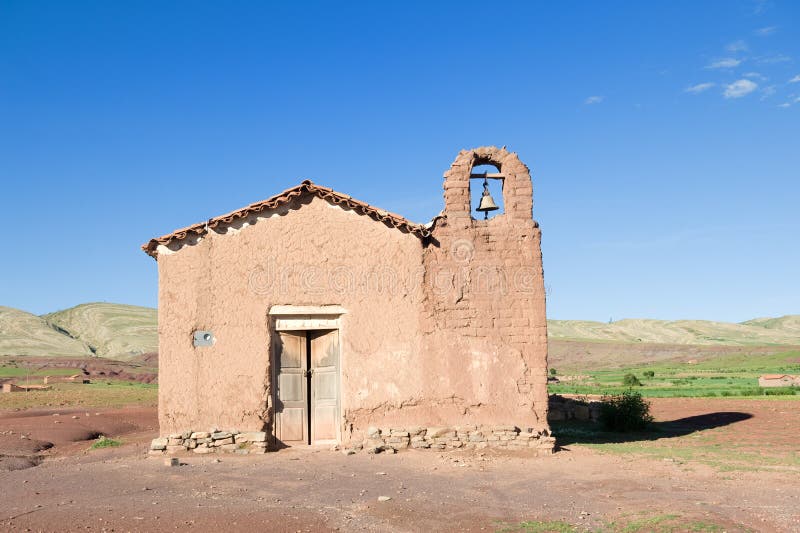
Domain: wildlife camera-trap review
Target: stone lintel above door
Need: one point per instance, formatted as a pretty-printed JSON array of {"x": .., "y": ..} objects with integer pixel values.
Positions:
[{"x": 306, "y": 317}]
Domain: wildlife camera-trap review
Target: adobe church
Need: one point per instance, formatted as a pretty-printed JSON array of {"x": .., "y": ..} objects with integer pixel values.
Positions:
[{"x": 312, "y": 318}]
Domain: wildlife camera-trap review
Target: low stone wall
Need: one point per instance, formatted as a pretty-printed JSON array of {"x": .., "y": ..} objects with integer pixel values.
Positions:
[
  {"x": 378, "y": 440},
  {"x": 444, "y": 438},
  {"x": 211, "y": 442},
  {"x": 573, "y": 408}
]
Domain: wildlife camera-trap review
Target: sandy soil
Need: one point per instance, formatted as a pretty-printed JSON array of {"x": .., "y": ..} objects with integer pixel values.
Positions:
[{"x": 120, "y": 489}]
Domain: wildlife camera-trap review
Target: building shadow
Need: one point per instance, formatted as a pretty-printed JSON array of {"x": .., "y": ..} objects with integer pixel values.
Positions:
[{"x": 573, "y": 432}]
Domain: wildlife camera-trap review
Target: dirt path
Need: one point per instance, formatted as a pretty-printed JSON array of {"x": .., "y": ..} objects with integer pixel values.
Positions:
[{"x": 319, "y": 490}]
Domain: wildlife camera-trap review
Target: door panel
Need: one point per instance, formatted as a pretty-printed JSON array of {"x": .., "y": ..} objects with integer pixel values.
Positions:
[
  {"x": 291, "y": 387},
  {"x": 293, "y": 352},
  {"x": 325, "y": 386},
  {"x": 291, "y": 416},
  {"x": 292, "y": 425},
  {"x": 324, "y": 423}
]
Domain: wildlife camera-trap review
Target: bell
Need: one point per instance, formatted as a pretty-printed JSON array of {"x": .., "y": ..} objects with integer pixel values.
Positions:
[{"x": 487, "y": 202}]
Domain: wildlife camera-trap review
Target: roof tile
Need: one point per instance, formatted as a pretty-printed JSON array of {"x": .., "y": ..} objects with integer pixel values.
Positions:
[{"x": 306, "y": 187}]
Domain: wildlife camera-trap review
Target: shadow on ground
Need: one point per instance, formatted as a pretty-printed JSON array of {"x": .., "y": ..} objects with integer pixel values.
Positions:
[{"x": 567, "y": 433}]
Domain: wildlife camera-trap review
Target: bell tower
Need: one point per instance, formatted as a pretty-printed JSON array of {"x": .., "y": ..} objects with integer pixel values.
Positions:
[{"x": 484, "y": 291}]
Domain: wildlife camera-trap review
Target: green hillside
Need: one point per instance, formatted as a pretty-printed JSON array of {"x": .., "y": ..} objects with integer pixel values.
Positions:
[
  {"x": 758, "y": 332},
  {"x": 789, "y": 323},
  {"x": 25, "y": 334},
  {"x": 115, "y": 331}
]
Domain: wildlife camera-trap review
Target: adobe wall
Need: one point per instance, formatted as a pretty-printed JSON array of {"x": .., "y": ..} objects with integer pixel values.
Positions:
[
  {"x": 485, "y": 296},
  {"x": 319, "y": 254},
  {"x": 452, "y": 336}
]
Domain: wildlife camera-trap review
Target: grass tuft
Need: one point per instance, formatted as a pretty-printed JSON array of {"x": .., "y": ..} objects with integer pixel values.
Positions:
[
  {"x": 539, "y": 526},
  {"x": 104, "y": 442}
]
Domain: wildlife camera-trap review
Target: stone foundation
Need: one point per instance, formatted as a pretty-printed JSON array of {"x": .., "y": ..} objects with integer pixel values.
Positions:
[
  {"x": 211, "y": 442},
  {"x": 377, "y": 440},
  {"x": 450, "y": 438}
]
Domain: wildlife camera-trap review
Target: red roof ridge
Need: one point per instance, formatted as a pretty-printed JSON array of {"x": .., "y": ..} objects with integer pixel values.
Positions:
[{"x": 306, "y": 187}]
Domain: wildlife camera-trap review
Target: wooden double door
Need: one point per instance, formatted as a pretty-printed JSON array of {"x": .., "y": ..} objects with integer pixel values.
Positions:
[{"x": 307, "y": 387}]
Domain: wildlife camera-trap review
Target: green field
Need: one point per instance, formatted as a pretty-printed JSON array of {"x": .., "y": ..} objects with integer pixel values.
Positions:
[
  {"x": 20, "y": 373},
  {"x": 98, "y": 394},
  {"x": 734, "y": 375}
]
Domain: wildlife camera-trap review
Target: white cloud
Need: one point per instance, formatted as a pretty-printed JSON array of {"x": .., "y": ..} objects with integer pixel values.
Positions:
[
  {"x": 774, "y": 58},
  {"x": 594, "y": 100},
  {"x": 766, "y": 92},
  {"x": 765, "y": 31},
  {"x": 740, "y": 88},
  {"x": 700, "y": 87},
  {"x": 761, "y": 6},
  {"x": 755, "y": 76},
  {"x": 784, "y": 105},
  {"x": 796, "y": 79},
  {"x": 728, "y": 62},
  {"x": 737, "y": 46}
]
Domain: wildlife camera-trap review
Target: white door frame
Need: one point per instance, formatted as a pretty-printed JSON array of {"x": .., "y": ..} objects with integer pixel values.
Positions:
[{"x": 305, "y": 318}]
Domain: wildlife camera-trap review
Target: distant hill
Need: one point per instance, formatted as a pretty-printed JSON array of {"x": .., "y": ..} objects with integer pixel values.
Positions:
[
  {"x": 788, "y": 323},
  {"x": 26, "y": 334},
  {"x": 118, "y": 331},
  {"x": 113, "y": 331},
  {"x": 758, "y": 332}
]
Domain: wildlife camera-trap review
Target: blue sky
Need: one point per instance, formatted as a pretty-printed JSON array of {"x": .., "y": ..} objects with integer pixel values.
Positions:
[{"x": 663, "y": 137}]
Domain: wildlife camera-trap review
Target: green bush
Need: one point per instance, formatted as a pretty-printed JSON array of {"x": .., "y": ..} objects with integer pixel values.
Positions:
[
  {"x": 751, "y": 392},
  {"x": 625, "y": 412},
  {"x": 105, "y": 442},
  {"x": 631, "y": 380},
  {"x": 553, "y": 371},
  {"x": 782, "y": 391}
]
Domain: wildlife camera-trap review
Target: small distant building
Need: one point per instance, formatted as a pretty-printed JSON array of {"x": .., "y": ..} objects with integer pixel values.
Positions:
[
  {"x": 13, "y": 387},
  {"x": 778, "y": 380},
  {"x": 75, "y": 378}
]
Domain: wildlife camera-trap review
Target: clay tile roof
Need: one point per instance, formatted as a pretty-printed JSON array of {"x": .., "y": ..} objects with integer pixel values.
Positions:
[{"x": 306, "y": 187}]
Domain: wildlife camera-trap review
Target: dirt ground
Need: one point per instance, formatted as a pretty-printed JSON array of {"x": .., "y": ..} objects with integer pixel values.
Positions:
[
  {"x": 570, "y": 354},
  {"x": 685, "y": 474},
  {"x": 142, "y": 368}
]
